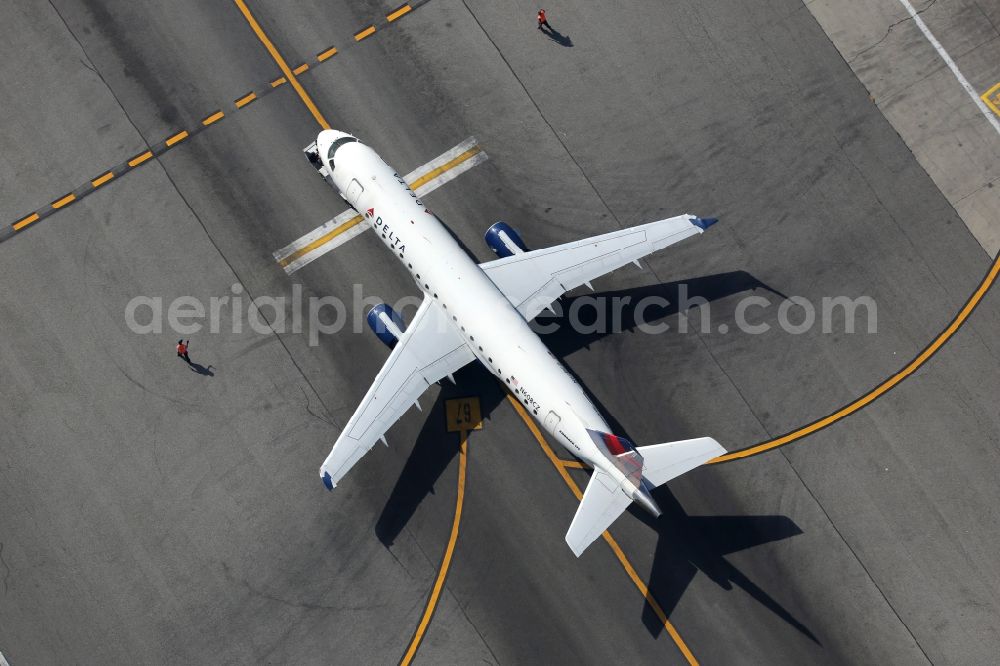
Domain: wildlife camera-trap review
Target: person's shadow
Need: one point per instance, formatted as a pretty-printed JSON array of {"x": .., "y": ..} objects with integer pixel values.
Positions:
[
  {"x": 557, "y": 37},
  {"x": 201, "y": 369}
]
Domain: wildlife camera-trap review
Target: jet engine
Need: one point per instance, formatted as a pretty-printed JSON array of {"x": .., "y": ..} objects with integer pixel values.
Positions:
[
  {"x": 386, "y": 324},
  {"x": 503, "y": 240}
]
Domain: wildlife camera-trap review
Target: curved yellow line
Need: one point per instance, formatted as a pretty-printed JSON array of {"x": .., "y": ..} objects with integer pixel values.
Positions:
[
  {"x": 615, "y": 548},
  {"x": 882, "y": 388},
  {"x": 449, "y": 550}
]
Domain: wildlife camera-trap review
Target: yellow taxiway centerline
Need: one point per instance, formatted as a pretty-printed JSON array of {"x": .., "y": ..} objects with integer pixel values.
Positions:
[
  {"x": 610, "y": 540},
  {"x": 449, "y": 551},
  {"x": 303, "y": 95},
  {"x": 882, "y": 388}
]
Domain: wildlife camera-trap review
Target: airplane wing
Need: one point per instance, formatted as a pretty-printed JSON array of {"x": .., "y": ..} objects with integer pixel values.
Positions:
[
  {"x": 428, "y": 350},
  {"x": 533, "y": 280}
]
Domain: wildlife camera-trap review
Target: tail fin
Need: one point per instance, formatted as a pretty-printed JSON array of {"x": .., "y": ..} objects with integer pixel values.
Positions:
[{"x": 604, "y": 500}]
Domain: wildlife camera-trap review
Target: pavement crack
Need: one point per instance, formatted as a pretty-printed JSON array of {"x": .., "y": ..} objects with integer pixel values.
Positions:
[
  {"x": 854, "y": 554},
  {"x": 303, "y": 605},
  {"x": 89, "y": 65},
  {"x": 987, "y": 17},
  {"x": 402, "y": 566},
  {"x": 472, "y": 624},
  {"x": 6, "y": 568},
  {"x": 148, "y": 390},
  {"x": 889, "y": 32},
  {"x": 313, "y": 414}
]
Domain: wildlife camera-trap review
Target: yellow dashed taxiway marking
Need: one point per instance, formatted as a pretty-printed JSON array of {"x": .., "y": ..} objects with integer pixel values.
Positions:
[
  {"x": 991, "y": 98},
  {"x": 282, "y": 65},
  {"x": 100, "y": 180},
  {"x": 139, "y": 159},
  {"x": 241, "y": 103},
  {"x": 246, "y": 99},
  {"x": 215, "y": 117},
  {"x": 177, "y": 138}
]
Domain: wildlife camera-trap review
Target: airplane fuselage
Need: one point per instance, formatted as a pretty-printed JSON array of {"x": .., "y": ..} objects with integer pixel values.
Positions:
[{"x": 492, "y": 327}]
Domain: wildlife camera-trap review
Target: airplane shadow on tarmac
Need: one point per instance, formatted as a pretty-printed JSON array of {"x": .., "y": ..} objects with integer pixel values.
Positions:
[{"x": 687, "y": 544}]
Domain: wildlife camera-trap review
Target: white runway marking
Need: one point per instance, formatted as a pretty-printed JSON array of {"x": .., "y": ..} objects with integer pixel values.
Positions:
[
  {"x": 3, "y": 662},
  {"x": 951, "y": 65},
  {"x": 334, "y": 233}
]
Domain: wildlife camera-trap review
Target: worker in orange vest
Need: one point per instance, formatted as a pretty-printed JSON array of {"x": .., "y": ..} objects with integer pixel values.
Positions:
[
  {"x": 182, "y": 350},
  {"x": 542, "y": 21}
]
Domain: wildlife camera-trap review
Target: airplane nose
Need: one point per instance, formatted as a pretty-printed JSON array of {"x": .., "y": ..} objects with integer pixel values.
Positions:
[
  {"x": 328, "y": 141},
  {"x": 327, "y": 137}
]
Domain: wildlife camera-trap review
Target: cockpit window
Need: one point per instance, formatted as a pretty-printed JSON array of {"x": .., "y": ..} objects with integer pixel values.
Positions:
[{"x": 337, "y": 144}]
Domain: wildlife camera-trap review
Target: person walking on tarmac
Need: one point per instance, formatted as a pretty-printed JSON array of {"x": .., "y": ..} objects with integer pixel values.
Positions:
[
  {"x": 182, "y": 350},
  {"x": 542, "y": 21}
]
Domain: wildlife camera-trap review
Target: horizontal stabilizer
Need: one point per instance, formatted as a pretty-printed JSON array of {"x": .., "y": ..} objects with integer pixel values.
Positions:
[
  {"x": 603, "y": 501},
  {"x": 667, "y": 461}
]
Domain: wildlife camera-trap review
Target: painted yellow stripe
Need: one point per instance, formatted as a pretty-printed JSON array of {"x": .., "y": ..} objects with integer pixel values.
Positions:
[
  {"x": 177, "y": 138},
  {"x": 246, "y": 99},
  {"x": 367, "y": 32},
  {"x": 277, "y": 82},
  {"x": 218, "y": 115},
  {"x": 574, "y": 464},
  {"x": 402, "y": 11},
  {"x": 325, "y": 238},
  {"x": 447, "y": 166},
  {"x": 301, "y": 68},
  {"x": 357, "y": 219},
  {"x": 97, "y": 182},
  {"x": 425, "y": 619},
  {"x": 615, "y": 548},
  {"x": 991, "y": 101},
  {"x": 326, "y": 55},
  {"x": 139, "y": 159},
  {"x": 888, "y": 384},
  {"x": 65, "y": 201},
  {"x": 303, "y": 95},
  {"x": 21, "y": 224}
]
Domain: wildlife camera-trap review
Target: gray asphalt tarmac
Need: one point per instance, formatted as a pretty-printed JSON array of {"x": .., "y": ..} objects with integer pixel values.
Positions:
[{"x": 152, "y": 514}]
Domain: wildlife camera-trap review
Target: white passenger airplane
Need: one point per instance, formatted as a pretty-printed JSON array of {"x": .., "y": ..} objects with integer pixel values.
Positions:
[{"x": 481, "y": 312}]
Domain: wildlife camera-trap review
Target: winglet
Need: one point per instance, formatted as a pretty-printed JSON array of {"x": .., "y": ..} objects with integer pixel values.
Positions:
[
  {"x": 327, "y": 481},
  {"x": 704, "y": 223}
]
